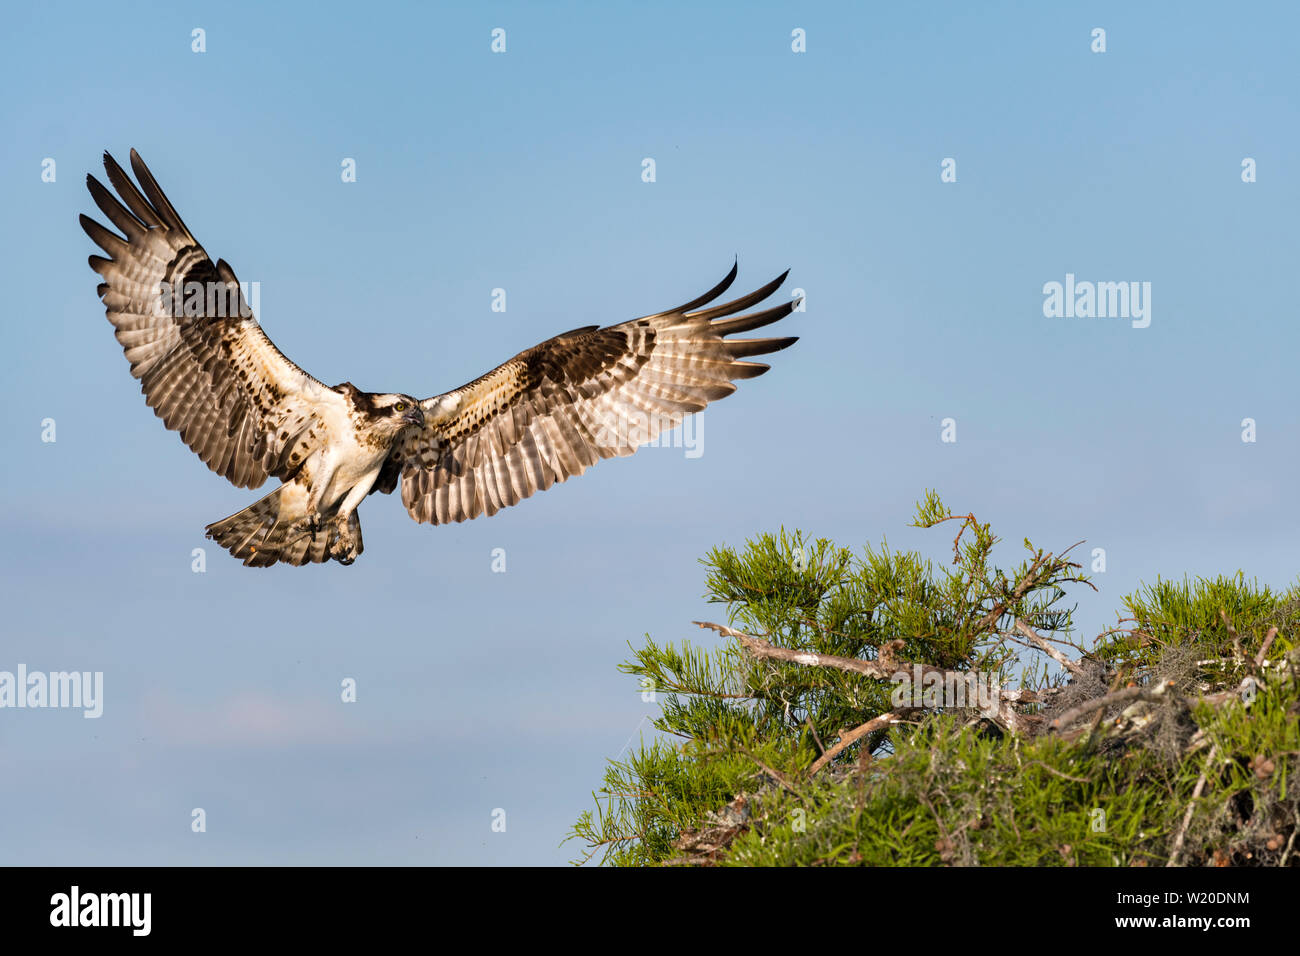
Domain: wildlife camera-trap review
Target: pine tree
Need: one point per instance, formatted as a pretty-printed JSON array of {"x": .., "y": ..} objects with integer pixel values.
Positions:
[{"x": 860, "y": 710}]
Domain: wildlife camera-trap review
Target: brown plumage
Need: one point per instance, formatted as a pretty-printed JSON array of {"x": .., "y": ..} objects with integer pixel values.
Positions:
[{"x": 547, "y": 414}]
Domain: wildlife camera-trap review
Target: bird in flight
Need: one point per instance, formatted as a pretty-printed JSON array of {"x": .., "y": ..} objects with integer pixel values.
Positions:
[{"x": 209, "y": 372}]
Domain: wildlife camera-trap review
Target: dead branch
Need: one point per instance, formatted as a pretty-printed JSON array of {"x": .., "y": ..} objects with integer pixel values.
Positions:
[
  {"x": 1117, "y": 697},
  {"x": 884, "y": 667},
  {"x": 1191, "y": 807},
  {"x": 887, "y": 666},
  {"x": 1031, "y": 576},
  {"x": 1290, "y": 843},
  {"x": 849, "y": 738},
  {"x": 1268, "y": 642},
  {"x": 1042, "y": 644},
  {"x": 1063, "y": 776}
]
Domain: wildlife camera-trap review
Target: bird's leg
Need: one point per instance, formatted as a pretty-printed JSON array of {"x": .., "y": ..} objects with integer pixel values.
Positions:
[
  {"x": 316, "y": 485},
  {"x": 356, "y": 494},
  {"x": 312, "y": 520},
  {"x": 348, "y": 545}
]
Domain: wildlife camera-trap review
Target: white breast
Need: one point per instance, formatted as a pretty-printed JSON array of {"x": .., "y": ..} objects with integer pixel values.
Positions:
[{"x": 344, "y": 462}]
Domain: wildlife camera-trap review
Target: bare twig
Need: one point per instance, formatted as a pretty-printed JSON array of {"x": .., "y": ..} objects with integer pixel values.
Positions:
[
  {"x": 821, "y": 747},
  {"x": 1268, "y": 642},
  {"x": 849, "y": 738},
  {"x": 1191, "y": 807},
  {"x": 967, "y": 520},
  {"x": 776, "y": 775},
  {"x": 1290, "y": 843},
  {"x": 1064, "y": 776},
  {"x": 864, "y": 761},
  {"x": 1072, "y": 666},
  {"x": 1237, "y": 654},
  {"x": 1114, "y": 686},
  {"x": 1032, "y": 574}
]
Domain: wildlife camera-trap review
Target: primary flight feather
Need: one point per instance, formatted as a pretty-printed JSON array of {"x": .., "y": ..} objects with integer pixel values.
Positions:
[{"x": 209, "y": 372}]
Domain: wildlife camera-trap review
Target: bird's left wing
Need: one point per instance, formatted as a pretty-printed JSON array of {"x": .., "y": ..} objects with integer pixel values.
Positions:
[{"x": 556, "y": 409}]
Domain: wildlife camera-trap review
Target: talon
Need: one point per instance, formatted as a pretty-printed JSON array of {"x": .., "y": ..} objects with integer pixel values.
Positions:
[{"x": 346, "y": 546}]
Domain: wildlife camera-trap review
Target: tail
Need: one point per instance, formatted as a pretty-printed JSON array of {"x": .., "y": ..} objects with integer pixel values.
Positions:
[{"x": 261, "y": 537}]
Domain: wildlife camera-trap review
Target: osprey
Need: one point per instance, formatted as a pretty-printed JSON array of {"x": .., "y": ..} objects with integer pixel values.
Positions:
[{"x": 209, "y": 372}]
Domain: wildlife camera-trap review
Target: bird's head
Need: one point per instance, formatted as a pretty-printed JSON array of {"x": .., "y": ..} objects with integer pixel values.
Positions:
[{"x": 398, "y": 411}]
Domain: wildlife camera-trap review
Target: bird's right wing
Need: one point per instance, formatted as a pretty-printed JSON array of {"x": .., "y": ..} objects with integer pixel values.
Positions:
[{"x": 205, "y": 366}]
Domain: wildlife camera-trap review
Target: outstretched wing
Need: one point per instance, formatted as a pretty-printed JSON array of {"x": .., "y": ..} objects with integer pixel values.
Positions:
[
  {"x": 553, "y": 411},
  {"x": 205, "y": 366}
]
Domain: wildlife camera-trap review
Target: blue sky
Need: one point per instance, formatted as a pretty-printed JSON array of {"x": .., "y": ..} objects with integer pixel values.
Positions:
[{"x": 522, "y": 171}]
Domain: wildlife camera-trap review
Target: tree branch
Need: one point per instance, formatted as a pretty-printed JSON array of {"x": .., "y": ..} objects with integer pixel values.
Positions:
[
  {"x": 857, "y": 733},
  {"x": 884, "y": 667},
  {"x": 1041, "y": 643}
]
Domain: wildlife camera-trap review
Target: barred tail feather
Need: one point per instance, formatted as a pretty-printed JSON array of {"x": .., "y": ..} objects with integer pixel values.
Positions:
[{"x": 261, "y": 535}]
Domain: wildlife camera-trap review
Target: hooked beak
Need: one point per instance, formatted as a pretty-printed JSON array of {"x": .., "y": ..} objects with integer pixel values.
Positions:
[{"x": 415, "y": 416}]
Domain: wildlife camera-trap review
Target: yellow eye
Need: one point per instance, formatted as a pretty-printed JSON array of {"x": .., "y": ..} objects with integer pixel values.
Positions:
[{"x": 400, "y": 406}]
